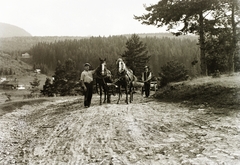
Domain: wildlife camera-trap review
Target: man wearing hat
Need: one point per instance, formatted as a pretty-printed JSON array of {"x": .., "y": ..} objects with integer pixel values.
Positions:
[
  {"x": 146, "y": 78},
  {"x": 87, "y": 84}
]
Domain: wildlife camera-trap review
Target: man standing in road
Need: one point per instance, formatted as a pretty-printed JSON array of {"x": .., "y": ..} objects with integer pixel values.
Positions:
[
  {"x": 87, "y": 84},
  {"x": 146, "y": 78}
]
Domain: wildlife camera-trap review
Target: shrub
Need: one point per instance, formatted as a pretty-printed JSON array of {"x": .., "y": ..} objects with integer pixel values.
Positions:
[
  {"x": 173, "y": 71},
  {"x": 35, "y": 84},
  {"x": 47, "y": 88}
]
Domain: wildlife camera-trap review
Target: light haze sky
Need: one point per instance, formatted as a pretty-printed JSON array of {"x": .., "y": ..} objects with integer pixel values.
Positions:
[{"x": 76, "y": 17}]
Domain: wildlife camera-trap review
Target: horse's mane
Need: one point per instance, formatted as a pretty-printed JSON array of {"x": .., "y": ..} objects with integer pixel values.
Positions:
[
  {"x": 119, "y": 59},
  {"x": 128, "y": 71}
]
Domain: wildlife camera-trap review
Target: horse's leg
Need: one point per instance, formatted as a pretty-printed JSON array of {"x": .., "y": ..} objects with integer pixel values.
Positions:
[
  {"x": 126, "y": 91},
  {"x": 97, "y": 86},
  {"x": 105, "y": 93},
  {"x": 100, "y": 88},
  {"x": 131, "y": 94},
  {"x": 108, "y": 95},
  {"x": 119, "y": 93}
]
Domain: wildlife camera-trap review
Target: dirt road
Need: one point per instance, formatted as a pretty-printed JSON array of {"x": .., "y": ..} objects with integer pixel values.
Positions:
[{"x": 144, "y": 132}]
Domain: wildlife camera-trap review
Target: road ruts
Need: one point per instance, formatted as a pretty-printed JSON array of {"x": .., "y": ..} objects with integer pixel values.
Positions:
[{"x": 144, "y": 132}]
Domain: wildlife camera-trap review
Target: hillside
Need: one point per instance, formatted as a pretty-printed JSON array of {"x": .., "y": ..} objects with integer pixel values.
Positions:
[
  {"x": 7, "y": 30},
  {"x": 11, "y": 44},
  {"x": 18, "y": 67},
  {"x": 222, "y": 92}
]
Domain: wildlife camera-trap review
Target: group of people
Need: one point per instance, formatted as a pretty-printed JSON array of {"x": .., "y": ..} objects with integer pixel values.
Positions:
[{"x": 86, "y": 81}]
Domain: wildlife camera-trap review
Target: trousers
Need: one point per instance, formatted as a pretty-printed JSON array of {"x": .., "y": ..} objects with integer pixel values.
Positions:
[
  {"x": 147, "y": 88},
  {"x": 88, "y": 94}
]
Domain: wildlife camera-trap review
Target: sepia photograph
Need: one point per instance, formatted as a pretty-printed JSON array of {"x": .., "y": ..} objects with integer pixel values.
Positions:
[{"x": 137, "y": 82}]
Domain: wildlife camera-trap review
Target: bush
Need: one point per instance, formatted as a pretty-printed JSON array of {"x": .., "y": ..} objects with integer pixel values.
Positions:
[
  {"x": 173, "y": 71},
  {"x": 47, "y": 88}
]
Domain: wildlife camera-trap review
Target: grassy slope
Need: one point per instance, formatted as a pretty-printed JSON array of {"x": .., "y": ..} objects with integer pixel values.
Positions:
[
  {"x": 23, "y": 71},
  {"x": 23, "y": 74},
  {"x": 18, "y": 66},
  {"x": 223, "y": 92},
  {"x": 10, "y": 106}
]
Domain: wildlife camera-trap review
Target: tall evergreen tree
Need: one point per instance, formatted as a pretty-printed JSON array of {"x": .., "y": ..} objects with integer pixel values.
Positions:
[
  {"x": 65, "y": 78},
  {"x": 136, "y": 55},
  {"x": 59, "y": 81},
  {"x": 192, "y": 14},
  {"x": 71, "y": 77},
  {"x": 47, "y": 88}
]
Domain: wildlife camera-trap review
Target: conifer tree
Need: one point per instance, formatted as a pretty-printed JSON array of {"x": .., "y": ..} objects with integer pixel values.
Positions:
[
  {"x": 71, "y": 77},
  {"x": 65, "y": 78},
  {"x": 172, "y": 71},
  {"x": 59, "y": 81},
  {"x": 192, "y": 14},
  {"x": 47, "y": 88},
  {"x": 136, "y": 55}
]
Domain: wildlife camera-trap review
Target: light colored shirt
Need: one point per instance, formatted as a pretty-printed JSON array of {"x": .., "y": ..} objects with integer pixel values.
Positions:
[{"x": 87, "y": 76}]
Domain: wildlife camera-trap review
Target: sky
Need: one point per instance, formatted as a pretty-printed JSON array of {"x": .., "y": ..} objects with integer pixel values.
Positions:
[{"x": 76, "y": 17}]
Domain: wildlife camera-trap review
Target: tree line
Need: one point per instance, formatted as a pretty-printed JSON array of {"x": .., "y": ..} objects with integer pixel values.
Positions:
[{"x": 159, "y": 50}]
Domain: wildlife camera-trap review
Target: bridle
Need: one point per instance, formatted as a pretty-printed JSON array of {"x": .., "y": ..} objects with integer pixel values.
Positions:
[
  {"x": 102, "y": 72},
  {"x": 103, "y": 68},
  {"x": 122, "y": 70},
  {"x": 121, "y": 66}
]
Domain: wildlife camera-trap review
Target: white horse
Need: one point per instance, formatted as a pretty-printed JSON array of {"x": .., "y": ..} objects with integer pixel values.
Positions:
[{"x": 126, "y": 79}]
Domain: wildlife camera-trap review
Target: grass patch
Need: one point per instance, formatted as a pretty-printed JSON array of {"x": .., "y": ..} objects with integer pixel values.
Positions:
[
  {"x": 12, "y": 105},
  {"x": 223, "y": 92}
]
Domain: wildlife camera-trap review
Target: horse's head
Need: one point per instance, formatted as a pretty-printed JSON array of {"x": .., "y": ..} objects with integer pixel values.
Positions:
[
  {"x": 102, "y": 67},
  {"x": 120, "y": 65}
]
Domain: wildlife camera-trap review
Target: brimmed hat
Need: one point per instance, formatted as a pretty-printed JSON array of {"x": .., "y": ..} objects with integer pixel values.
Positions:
[
  {"x": 87, "y": 64},
  {"x": 146, "y": 67}
]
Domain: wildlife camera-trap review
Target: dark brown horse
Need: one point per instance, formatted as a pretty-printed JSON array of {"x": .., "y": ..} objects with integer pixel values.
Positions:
[
  {"x": 125, "y": 80},
  {"x": 103, "y": 76}
]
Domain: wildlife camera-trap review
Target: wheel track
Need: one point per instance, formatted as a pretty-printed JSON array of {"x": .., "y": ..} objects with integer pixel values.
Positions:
[{"x": 138, "y": 133}]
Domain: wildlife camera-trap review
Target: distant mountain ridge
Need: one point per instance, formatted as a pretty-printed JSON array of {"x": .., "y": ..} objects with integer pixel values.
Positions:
[
  {"x": 7, "y": 30},
  {"x": 10, "y": 44}
]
